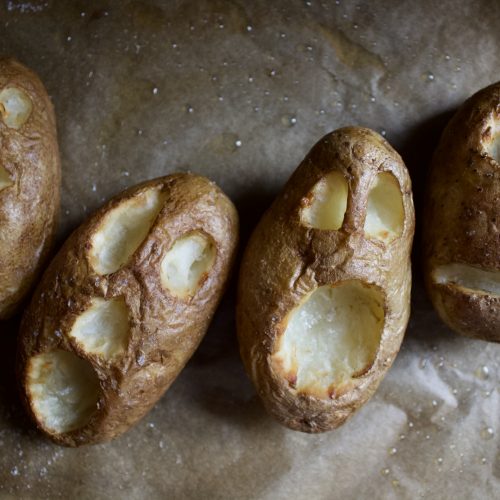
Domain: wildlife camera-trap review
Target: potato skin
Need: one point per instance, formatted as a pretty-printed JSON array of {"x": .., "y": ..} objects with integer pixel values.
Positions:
[
  {"x": 284, "y": 260},
  {"x": 462, "y": 216},
  {"x": 30, "y": 206},
  {"x": 164, "y": 330}
]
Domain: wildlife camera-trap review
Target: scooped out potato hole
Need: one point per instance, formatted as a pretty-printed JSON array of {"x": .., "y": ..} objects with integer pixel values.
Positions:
[
  {"x": 491, "y": 142},
  {"x": 331, "y": 337},
  {"x": 468, "y": 277},
  {"x": 15, "y": 107},
  {"x": 123, "y": 230},
  {"x": 64, "y": 390},
  {"x": 327, "y": 203},
  {"x": 103, "y": 329},
  {"x": 385, "y": 212},
  {"x": 186, "y": 263}
]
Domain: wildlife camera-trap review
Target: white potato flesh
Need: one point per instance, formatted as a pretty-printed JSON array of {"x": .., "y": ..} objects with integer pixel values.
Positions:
[
  {"x": 64, "y": 390},
  {"x": 103, "y": 329},
  {"x": 5, "y": 179},
  {"x": 492, "y": 144},
  {"x": 468, "y": 277},
  {"x": 15, "y": 107},
  {"x": 328, "y": 203},
  {"x": 385, "y": 212},
  {"x": 122, "y": 231},
  {"x": 186, "y": 264},
  {"x": 331, "y": 337}
]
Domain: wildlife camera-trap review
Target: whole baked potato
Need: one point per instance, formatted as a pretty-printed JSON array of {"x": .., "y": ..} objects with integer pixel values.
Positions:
[
  {"x": 462, "y": 219},
  {"x": 324, "y": 287},
  {"x": 123, "y": 306},
  {"x": 30, "y": 179}
]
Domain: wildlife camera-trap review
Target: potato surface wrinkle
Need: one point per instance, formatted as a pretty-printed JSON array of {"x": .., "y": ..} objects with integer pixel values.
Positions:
[
  {"x": 287, "y": 259},
  {"x": 164, "y": 330},
  {"x": 463, "y": 201},
  {"x": 29, "y": 185}
]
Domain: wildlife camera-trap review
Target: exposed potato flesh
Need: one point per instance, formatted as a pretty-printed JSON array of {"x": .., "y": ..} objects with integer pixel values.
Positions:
[
  {"x": 64, "y": 390},
  {"x": 461, "y": 228},
  {"x": 103, "y": 329},
  {"x": 469, "y": 277},
  {"x": 321, "y": 313},
  {"x": 186, "y": 263},
  {"x": 134, "y": 332},
  {"x": 5, "y": 179},
  {"x": 327, "y": 203},
  {"x": 15, "y": 107},
  {"x": 331, "y": 337},
  {"x": 491, "y": 143},
  {"x": 30, "y": 179},
  {"x": 385, "y": 213},
  {"x": 122, "y": 231}
]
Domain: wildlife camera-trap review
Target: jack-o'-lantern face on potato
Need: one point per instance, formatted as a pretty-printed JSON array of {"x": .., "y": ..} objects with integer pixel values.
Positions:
[
  {"x": 124, "y": 305},
  {"x": 328, "y": 270}
]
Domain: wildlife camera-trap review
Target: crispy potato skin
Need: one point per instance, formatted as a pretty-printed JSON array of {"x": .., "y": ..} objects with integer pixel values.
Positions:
[
  {"x": 164, "y": 330},
  {"x": 462, "y": 216},
  {"x": 30, "y": 206},
  {"x": 284, "y": 260}
]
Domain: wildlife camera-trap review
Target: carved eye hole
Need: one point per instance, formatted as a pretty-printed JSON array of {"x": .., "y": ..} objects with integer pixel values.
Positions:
[
  {"x": 15, "y": 107},
  {"x": 122, "y": 231},
  {"x": 385, "y": 212},
  {"x": 491, "y": 140},
  {"x": 185, "y": 266},
  {"x": 326, "y": 203}
]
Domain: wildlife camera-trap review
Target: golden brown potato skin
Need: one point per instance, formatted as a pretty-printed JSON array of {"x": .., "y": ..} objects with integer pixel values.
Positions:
[
  {"x": 29, "y": 207},
  {"x": 164, "y": 330},
  {"x": 284, "y": 260},
  {"x": 462, "y": 216}
]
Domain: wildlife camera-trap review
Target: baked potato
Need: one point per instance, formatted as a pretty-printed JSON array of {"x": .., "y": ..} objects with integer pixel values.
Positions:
[
  {"x": 123, "y": 306},
  {"x": 462, "y": 219},
  {"x": 324, "y": 286},
  {"x": 30, "y": 178}
]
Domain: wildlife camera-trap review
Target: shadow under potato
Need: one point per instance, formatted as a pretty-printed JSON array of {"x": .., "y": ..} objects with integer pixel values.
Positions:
[
  {"x": 10, "y": 401},
  {"x": 220, "y": 340},
  {"x": 417, "y": 152}
]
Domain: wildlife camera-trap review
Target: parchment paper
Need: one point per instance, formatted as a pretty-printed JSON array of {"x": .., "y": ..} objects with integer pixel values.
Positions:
[{"x": 239, "y": 91}]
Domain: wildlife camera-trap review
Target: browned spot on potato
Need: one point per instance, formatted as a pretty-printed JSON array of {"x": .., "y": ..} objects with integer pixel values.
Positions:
[
  {"x": 15, "y": 107},
  {"x": 5, "y": 179},
  {"x": 325, "y": 206},
  {"x": 291, "y": 377},
  {"x": 64, "y": 390},
  {"x": 103, "y": 329},
  {"x": 122, "y": 231},
  {"x": 338, "y": 391},
  {"x": 385, "y": 213},
  {"x": 306, "y": 201},
  {"x": 331, "y": 337},
  {"x": 470, "y": 278},
  {"x": 186, "y": 264}
]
